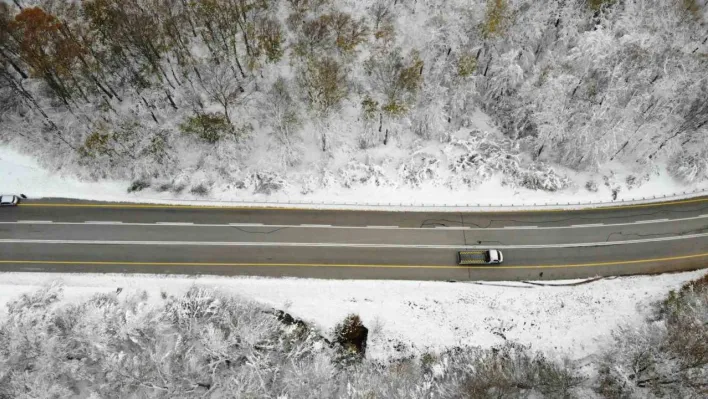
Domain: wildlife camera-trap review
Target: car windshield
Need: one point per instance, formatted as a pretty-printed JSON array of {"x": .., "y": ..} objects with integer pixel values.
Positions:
[{"x": 487, "y": 257}]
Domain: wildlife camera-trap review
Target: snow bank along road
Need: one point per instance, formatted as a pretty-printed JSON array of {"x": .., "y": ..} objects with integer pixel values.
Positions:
[{"x": 66, "y": 236}]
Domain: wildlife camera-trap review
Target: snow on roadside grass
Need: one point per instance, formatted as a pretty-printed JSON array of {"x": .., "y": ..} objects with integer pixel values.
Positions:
[
  {"x": 411, "y": 318},
  {"x": 23, "y": 174}
]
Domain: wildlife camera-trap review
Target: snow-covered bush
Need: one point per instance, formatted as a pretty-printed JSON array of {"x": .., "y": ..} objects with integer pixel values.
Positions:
[
  {"x": 477, "y": 159},
  {"x": 209, "y": 344},
  {"x": 688, "y": 166},
  {"x": 39, "y": 300},
  {"x": 540, "y": 177},
  {"x": 356, "y": 173},
  {"x": 199, "y": 343},
  {"x": 483, "y": 156},
  {"x": 419, "y": 169},
  {"x": 322, "y": 179}
]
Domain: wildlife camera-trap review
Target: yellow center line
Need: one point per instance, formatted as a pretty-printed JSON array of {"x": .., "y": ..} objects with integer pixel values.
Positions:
[
  {"x": 353, "y": 265},
  {"x": 290, "y": 208}
]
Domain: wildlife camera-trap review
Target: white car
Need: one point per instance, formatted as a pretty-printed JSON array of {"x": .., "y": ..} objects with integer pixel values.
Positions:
[
  {"x": 480, "y": 257},
  {"x": 9, "y": 200}
]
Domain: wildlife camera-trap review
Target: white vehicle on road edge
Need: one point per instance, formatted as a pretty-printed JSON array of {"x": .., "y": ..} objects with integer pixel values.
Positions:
[
  {"x": 9, "y": 200},
  {"x": 480, "y": 257}
]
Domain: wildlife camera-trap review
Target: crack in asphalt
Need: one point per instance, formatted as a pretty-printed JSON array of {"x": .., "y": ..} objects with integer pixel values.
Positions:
[
  {"x": 259, "y": 232},
  {"x": 428, "y": 223},
  {"x": 640, "y": 235}
]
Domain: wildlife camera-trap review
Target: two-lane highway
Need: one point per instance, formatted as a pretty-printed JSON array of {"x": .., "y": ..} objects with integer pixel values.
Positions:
[{"x": 69, "y": 236}]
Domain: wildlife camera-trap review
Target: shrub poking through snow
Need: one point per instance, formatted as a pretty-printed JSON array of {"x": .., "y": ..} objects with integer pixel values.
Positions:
[
  {"x": 509, "y": 371},
  {"x": 210, "y": 127},
  {"x": 350, "y": 335},
  {"x": 200, "y": 190},
  {"x": 634, "y": 181},
  {"x": 666, "y": 358},
  {"x": 267, "y": 182},
  {"x": 138, "y": 185}
]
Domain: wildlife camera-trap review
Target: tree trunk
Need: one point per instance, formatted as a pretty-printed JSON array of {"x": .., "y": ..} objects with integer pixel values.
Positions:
[
  {"x": 17, "y": 87},
  {"x": 13, "y": 64},
  {"x": 172, "y": 102}
]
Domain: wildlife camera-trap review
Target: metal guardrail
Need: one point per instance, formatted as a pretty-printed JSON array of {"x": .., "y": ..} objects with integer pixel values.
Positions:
[{"x": 477, "y": 206}]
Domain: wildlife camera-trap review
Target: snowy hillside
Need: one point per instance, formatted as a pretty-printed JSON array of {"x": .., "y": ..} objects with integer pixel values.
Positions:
[
  {"x": 357, "y": 98},
  {"x": 149, "y": 336}
]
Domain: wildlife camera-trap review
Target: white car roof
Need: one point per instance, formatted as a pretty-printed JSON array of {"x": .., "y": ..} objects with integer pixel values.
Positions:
[{"x": 7, "y": 198}]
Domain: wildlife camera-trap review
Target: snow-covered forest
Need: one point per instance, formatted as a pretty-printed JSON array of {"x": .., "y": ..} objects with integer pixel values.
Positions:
[
  {"x": 208, "y": 343},
  {"x": 270, "y": 95}
]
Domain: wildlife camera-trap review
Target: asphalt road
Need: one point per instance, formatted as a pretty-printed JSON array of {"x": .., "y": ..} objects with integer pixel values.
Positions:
[{"x": 68, "y": 236}]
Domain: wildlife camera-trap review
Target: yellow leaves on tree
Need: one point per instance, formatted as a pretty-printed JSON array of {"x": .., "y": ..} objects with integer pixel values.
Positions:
[{"x": 496, "y": 18}]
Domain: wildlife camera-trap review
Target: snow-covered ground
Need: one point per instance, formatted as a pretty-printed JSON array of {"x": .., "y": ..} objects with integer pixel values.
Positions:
[
  {"x": 412, "y": 318},
  {"x": 24, "y": 174}
]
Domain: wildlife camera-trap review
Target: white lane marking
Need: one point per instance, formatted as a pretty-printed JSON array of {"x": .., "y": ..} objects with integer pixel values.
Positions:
[
  {"x": 588, "y": 225},
  {"x": 346, "y": 245},
  {"x": 102, "y": 222},
  {"x": 175, "y": 223},
  {"x": 315, "y": 225},
  {"x": 452, "y": 227},
  {"x": 373, "y": 227},
  {"x": 650, "y": 221},
  {"x": 520, "y": 227}
]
